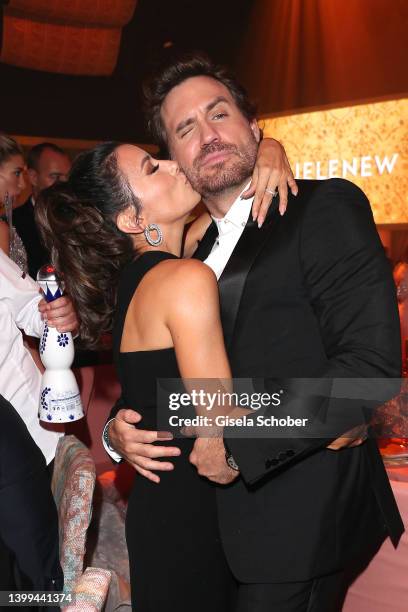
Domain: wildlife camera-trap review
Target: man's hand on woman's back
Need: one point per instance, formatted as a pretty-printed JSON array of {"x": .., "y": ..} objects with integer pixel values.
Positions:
[{"x": 136, "y": 445}]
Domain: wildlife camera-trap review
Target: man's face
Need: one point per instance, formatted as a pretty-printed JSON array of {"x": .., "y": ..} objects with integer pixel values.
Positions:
[
  {"x": 209, "y": 137},
  {"x": 52, "y": 167}
]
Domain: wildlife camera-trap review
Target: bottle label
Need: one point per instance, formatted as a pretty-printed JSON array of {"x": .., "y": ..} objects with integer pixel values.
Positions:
[{"x": 60, "y": 407}]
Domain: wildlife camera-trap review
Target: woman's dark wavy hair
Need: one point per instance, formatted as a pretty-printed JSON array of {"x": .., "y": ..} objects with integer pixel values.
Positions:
[
  {"x": 174, "y": 73},
  {"x": 77, "y": 224}
]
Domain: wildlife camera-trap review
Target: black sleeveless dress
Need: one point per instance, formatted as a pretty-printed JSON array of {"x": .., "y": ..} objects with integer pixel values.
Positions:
[{"x": 176, "y": 560}]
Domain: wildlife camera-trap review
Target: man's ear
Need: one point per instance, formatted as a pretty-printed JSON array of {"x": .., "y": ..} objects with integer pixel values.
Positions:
[
  {"x": 255, "y": 129},
  {"x": 129, "y": 223}
]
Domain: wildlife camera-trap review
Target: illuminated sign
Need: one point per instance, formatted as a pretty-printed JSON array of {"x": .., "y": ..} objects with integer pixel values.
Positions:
[{"x": 365, "y": 143}]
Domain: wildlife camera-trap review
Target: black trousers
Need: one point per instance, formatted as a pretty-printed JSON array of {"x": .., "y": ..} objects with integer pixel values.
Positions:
[
  {"x": 7, "y": 582},
  {"x": 28, "y": 515},
  {"x": 324, "y": 594}
]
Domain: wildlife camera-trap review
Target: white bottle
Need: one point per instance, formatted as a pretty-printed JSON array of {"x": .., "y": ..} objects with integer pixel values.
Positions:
[{"x": 60, "y": 400}]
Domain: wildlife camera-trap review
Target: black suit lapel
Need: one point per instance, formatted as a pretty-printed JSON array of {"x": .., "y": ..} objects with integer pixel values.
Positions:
[
  {"x": 206, "y": 243},
  {"x": 232, "y": 281}
]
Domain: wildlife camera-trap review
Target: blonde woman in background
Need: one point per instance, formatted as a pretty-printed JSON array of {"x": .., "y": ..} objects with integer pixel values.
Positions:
[{"x": 12, "y": 184}]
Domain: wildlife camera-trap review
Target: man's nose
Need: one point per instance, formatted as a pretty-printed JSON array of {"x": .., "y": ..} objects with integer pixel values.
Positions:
[{"x": 208, "y": 133}]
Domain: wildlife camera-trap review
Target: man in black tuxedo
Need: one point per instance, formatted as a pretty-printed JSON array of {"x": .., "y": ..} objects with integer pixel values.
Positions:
[
  {"x": 309, "y": 295},
  {"x": 46, "y": 164}
]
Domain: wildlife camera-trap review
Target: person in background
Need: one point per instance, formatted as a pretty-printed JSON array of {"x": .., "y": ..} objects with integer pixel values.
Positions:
[
  {"x": 25, "y": 498},
  {"x": 21, "y": 308},
  {"x": 28, "y": 516},
  {"x": 401, "y": 281},
  {"x": 12, "y": 184},
  {"x": 47, "y": 163}
]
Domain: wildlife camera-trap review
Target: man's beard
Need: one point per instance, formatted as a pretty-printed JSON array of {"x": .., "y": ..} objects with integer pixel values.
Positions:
[{"x": 226, "y": 174}]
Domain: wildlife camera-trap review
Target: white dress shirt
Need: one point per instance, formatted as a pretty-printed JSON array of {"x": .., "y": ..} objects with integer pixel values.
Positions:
[
  {"x": 230, "y": 229},
  {"x": 20, "y": 379}
]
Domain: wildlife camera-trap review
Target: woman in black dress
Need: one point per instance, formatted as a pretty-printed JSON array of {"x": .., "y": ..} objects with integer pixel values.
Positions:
[{"x": 126, "y": 273}]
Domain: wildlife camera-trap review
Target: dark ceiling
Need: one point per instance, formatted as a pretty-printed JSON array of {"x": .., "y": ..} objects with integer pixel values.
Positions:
[{"x": 44, "y": 104}]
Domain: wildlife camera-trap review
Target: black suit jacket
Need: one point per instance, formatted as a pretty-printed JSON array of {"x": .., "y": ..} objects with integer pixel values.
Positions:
[
  {"x": 308, "y": 295},
  {"x": 28, "y": 516},
  {"x": 25, "y": 224}
]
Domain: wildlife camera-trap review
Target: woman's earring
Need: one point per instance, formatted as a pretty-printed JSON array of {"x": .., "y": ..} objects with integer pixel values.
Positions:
[
  {"x": 153, "y": 228},
  {"x": 8, "y": 206}
]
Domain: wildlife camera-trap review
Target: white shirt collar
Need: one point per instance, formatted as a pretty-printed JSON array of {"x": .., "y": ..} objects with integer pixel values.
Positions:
[{"x": 236, "y": 217}]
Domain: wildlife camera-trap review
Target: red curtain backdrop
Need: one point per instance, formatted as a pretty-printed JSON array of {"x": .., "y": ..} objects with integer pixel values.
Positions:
[{"x": 303, "y": 53}]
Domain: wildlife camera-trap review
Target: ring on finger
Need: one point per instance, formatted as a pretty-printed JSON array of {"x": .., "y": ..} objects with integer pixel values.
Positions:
[{"x": 273, "y": 193}]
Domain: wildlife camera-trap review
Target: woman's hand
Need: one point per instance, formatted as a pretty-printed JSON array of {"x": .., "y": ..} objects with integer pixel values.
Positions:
[
  {"x": 60, "y": 314},
  {"x": 272, "y": 174}
]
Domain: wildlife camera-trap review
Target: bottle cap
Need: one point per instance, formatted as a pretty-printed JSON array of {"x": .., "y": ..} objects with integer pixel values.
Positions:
[{"x": 50, "y": 283}]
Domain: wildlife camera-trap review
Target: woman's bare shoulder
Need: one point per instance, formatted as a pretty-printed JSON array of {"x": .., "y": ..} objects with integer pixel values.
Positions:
[
  {"x": 183, "y": 274},
  {"x": 189, "y": 266},
  {"x": 179, "y": 281},
  {"x": 187, "y": 272}
]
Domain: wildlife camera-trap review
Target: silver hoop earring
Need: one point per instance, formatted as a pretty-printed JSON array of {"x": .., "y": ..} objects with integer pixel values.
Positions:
[{"x": 153, "y": 228}]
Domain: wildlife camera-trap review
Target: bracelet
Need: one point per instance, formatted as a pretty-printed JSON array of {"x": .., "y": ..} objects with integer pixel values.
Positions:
[{"x": 106, "y": 436}]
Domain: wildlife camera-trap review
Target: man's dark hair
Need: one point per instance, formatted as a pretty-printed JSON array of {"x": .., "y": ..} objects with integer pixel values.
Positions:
[
  {"x": 192, "y": 65},
  {"x": 35, "y": 153}
]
